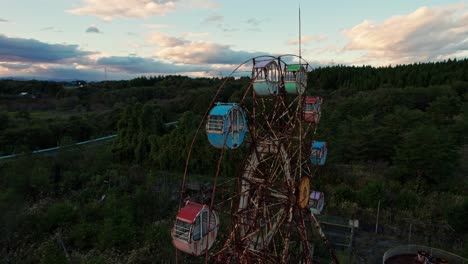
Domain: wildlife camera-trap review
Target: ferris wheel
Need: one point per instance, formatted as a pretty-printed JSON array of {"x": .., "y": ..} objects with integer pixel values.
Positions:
[{"x": 270, "y": 204}]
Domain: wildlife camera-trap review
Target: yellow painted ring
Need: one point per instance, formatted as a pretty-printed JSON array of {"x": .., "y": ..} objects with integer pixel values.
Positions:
[{"x": 304, "y": 192}]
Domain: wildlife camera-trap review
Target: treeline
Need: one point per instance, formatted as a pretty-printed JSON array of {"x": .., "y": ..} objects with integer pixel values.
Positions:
[{"x": 354, "y": 78}]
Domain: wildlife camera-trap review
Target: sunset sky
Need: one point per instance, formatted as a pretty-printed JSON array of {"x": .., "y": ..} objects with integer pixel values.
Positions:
[{"x": 81, "y": 39}]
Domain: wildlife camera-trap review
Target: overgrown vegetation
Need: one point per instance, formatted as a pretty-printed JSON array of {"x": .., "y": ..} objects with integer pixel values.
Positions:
[{"x": 396, "y": 135}]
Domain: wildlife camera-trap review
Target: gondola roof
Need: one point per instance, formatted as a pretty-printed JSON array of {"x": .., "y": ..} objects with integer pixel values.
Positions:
[
  {"x": 293, "y": 67},
  {"x": 221, "y": 109},
  {"x": 263, "y": 64},
  {"x": 189, "y": 212}
]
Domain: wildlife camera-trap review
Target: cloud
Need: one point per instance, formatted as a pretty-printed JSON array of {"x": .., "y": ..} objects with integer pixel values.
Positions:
[
  {"x": 157, "y": 26},
  {"x": 93, "y": 29},
  {"x": 51, "y": 29},
  {"x": 31, "y": 50},
  {"x": 51, "y": 72},
  {"x": 215, "y": 19},
  {"x": 181, "y": 50},
  {"x": 205, "y": 4},
  {"x": 218, "y": 21},
  {"x": 16, "y": 66},
  {"x": 427, "y": 34},
  {"x": 307, "y": 39},
  {"x": 195, "y": 34},
  {"x": 3, "y": 20},
  {"x": 107, "y": 10},
  {"x": 164, "y": 40},
  {"x": 139, "y": 65},
  {"x": 174, "y": 55},
  {"x": 111, "y": 9},
  {"x": 229, "y": 29},
  {"x": 205, "y": 52},
  {"x": 47, "y": 28},
  {"x": 253, "y": 22},
  {"x": 117, "y": 68}
]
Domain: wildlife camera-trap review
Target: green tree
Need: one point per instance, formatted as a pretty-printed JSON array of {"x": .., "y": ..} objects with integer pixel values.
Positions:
[
  {"x": 425, "y": 153},
  {"x": 444, "y": 109},
  {"x": 136, "y": 126}
]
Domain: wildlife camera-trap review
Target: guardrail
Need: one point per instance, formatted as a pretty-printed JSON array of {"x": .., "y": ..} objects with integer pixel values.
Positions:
[
  {"x": 106, "y": 138},
  {"x": 413, "y": 249},
  {"x": 54, "y": 149}
]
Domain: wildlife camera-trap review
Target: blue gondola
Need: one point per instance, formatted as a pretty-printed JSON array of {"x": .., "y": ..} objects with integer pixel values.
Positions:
[
  {"x": 266, "y": 77},
  {"x": 319, "y": 153},
  {"x": 226, "y": 126}
]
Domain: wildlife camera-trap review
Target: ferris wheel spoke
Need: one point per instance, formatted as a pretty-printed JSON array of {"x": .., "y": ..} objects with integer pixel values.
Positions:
[
  {"x": 276, "y": 221},
  {"x": 287, "y": 112}
]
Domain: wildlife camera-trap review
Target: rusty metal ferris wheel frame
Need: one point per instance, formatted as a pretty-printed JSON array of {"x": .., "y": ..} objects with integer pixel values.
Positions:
[{"x": 270, "y": 221}]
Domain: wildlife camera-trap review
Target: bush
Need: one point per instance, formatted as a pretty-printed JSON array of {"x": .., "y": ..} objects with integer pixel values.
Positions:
[
  {"x": 406, "y": 199},
  {"x": 344, "y": 193},
  {"x": 60, "y": 214},
  {"x": 457, "y": 217},
  {"x": 84, "y": 235},
  {"x": 51, "y": 253},
  {"x": 371, "y": 194}
]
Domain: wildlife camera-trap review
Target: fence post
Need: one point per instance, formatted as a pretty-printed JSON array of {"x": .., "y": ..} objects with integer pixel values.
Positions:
[
  {"x": 409, "y": 234},
  {"x": 378, "y": 212}
]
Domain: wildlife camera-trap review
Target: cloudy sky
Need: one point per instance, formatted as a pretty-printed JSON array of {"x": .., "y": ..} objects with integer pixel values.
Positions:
[{"x": 122, "y": 39}]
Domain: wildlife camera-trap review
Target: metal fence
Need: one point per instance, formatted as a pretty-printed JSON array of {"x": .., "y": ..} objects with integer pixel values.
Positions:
[{"x": 413, "y": 249}]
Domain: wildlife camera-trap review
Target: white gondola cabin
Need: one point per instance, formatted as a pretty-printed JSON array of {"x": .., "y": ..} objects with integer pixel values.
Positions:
[
  {"x": 317, "y": 202},
  {"x": 266, "y": 76},
  {"x": 195, "y": 229},
  {"x": 295, "y": 79},
  {"x": 226, "y": 126},
  {"x": 312, "y": 109}
]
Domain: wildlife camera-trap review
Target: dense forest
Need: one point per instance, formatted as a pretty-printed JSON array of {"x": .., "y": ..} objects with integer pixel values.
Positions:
[{"x": 396, "y": 135}]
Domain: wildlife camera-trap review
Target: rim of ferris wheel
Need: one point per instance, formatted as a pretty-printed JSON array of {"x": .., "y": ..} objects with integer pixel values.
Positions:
[
  {"x": 262, "y": 201},
  {"x": 312, "y": 109},
  {"x": 266, "y": 75},
  {"x": 295, "y": 79},
  {"x": 226, "y": 126},
  {"x": 316, "y": 202},
  {"x": 318, "y": 154},
  {"x": 195, "y": 229}
]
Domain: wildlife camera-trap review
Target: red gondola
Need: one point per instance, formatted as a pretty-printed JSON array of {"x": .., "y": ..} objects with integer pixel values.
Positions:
[
  {"x": 195, "y": 229},
  {"x": 312, "y": 109}
]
